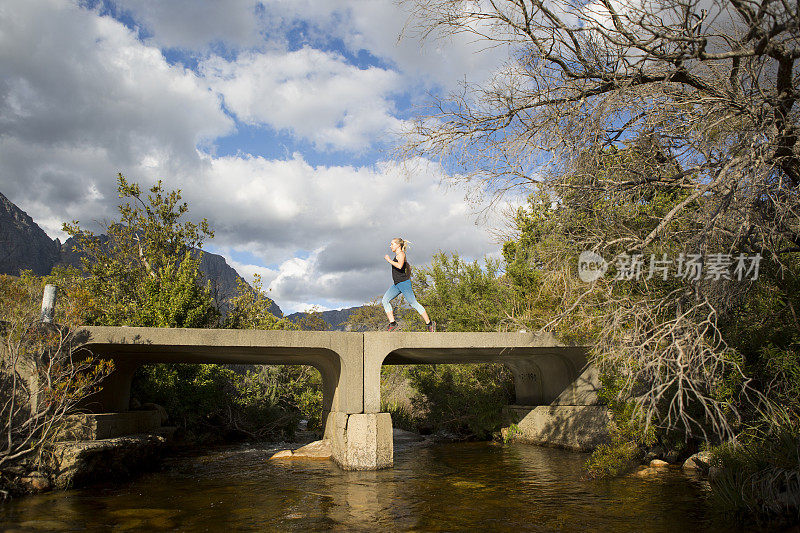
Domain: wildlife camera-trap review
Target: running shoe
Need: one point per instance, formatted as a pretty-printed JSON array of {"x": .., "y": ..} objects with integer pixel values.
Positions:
[
  {"x": 432, "y": 326},
  {"x": 392, "y": 327}
]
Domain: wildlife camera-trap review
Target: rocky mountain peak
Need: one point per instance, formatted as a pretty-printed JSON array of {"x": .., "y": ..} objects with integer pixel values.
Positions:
[{"x": 23, "y": 244}]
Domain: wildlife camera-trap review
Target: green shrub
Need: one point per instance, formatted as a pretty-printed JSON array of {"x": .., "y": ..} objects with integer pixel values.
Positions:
[
  {"x": 205, "y": 400},
  {"x": 465, "y": 400},
  {"x": 295, "y": 388},
  {"x": 511, "y": 433},
  {"x": 462, "y": 296},
  {"x": 402, "y": 417},
  {"x": 193, "y": 395},
  {"x": 273, "y": 399},
  {"x": 627, "y": 436},
  {"x": 618, "y": 456}
]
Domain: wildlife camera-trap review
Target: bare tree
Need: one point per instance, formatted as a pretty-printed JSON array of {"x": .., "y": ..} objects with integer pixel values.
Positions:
[
  {"x": 44, "y": 375},
  {"x": 606, "y": 105},
  {"x": 707, "y": 85}
]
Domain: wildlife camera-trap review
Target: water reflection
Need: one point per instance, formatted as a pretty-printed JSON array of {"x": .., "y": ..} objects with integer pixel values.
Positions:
[{"x": 432, "y": 487}]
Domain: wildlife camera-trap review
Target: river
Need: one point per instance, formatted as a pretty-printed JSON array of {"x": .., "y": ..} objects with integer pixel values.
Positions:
[{"x": 432, "y": 487}]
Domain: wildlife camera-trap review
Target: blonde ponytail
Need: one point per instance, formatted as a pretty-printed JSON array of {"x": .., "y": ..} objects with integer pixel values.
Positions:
[{"x": 402, "y": 243}]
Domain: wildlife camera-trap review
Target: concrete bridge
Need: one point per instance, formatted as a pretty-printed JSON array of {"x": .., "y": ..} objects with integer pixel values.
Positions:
[{"x": 546, "y": 372}]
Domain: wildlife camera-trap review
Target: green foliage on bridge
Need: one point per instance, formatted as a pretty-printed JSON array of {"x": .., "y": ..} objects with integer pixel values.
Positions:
[{"x": 143, "y": 270}]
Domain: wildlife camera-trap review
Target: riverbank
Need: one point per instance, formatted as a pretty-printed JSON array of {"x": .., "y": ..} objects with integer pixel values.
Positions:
[
  {"x": 73, "y": 464},
  {"x": 79, "y": 463}
]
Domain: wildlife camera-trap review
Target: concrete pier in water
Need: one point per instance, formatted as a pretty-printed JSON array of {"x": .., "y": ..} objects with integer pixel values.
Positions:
[{"x": 546, "y": 372}]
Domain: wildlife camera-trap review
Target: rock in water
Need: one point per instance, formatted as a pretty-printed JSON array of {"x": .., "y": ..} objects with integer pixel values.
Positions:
[
  {"x": 36, "y": 482},
  {"x": 283, "y": 454},
  {"x": 646, "y": 472},
  {"x": 320, "y": 449}
]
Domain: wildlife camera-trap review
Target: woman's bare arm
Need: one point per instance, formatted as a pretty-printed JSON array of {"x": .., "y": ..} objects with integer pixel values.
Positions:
[{"x": 401, "y": 259}]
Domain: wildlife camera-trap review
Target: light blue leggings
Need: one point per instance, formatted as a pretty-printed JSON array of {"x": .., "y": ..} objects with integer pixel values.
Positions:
[{"x": 405, "y": 288}]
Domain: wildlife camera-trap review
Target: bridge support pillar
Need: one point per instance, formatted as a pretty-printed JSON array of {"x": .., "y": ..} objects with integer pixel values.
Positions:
[
  {"x": 361, "y": 441},
  {"x": 115, "y": 394}
]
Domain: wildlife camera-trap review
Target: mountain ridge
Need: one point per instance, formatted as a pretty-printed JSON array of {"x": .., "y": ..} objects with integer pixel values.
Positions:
[{"x": 335, "y": 318}]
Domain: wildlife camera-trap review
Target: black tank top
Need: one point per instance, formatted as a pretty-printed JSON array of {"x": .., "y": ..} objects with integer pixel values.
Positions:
[{"x": 401, "y": 274}]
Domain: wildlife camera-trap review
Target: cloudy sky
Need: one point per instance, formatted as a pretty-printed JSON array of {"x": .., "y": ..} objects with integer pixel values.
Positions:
[{"x": 276, "y": 118}]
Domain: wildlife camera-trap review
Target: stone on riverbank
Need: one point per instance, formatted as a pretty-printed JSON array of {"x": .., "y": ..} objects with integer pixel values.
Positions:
[
  {"x": 83, "y": 462},
  {"x": 647, "y": 472},
  {"x": 35, "y": 482},
  {"x": 283, "y": 454},
  {"x": 698, "y": 462},
  {"x": 102, "y": 426},
  {"x": 654, "y": 468}
]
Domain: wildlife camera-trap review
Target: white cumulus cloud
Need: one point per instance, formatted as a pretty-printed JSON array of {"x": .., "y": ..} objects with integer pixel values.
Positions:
[
  {"x": 344, "y": 216},
  {"x": 315, "y": 95},
  {"x": 81, "y": 98}
]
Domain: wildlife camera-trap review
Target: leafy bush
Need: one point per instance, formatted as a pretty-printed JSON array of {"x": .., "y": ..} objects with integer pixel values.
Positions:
[
  {"x": 614, "y": 458},
  {"x": 511, "y": 433},
  {"x": 196, "y": 397},
  {"x": 175, "y": 298},
  {"x": 266, "y": 402},
  {"x": 462, "y": 296},
  {"x": 627, "y": 419},
  {"x": 627, "y": 436},
  {"x": 250, "y": 309},
  {"x": 464, "y": 400},
  {"x": 292, "y": 391},
  {"x": 294, "y": 388},
  {"x": 402, "y": 417},
  {"x": 143, "y": 271}
]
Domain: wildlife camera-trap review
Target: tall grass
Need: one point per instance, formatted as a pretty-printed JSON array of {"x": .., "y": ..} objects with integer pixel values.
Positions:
[{"x": 760, "y": 475}]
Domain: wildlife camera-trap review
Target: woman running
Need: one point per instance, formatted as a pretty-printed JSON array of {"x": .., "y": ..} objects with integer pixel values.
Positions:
[{"x": 401, "y": 276}]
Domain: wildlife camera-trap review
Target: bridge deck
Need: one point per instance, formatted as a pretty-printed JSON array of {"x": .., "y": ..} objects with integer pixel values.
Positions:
[
  {"x": 288, "y": 347},
  {"x": 350, "y": 362}
]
